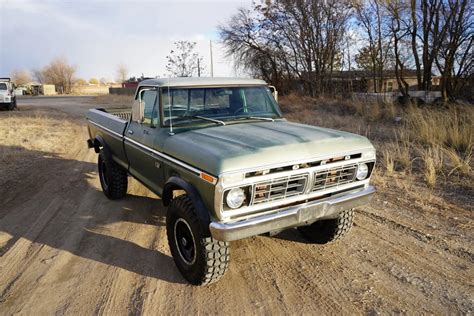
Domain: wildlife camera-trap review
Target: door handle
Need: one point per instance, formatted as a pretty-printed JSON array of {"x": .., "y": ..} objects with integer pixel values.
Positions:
[{"x": 130, "y": 132}]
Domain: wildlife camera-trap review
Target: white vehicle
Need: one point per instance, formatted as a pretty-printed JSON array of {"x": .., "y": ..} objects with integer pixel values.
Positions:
[{"x": 7, "y": 94}]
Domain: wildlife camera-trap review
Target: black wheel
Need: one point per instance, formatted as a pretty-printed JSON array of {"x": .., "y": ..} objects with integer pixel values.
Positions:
[
  {"x": 325, "y": 231},
  {"x": 200, "y": 258},
  {"x": 113, "y": 178}
]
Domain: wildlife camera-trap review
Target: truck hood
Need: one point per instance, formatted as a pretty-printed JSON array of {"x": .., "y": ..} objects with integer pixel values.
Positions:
[{"x": 251, "y": 145}]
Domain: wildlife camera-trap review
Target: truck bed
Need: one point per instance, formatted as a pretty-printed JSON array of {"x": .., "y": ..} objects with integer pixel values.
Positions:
[
  {"x": 123, "y": 114},
  {"x": 110, "y": 125}
]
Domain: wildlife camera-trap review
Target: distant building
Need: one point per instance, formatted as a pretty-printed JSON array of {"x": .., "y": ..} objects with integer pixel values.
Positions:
[
  {"x": 363, "y": 81},
  {"x": 41, "y": 89},
  {"x": 133, "y": 82}
]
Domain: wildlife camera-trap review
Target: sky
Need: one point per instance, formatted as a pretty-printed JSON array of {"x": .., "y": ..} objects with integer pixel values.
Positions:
[{"x": 97, "y": 36}]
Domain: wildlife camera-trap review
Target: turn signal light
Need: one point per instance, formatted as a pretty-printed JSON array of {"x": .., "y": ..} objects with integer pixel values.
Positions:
[{"x": 208, "y": 178}]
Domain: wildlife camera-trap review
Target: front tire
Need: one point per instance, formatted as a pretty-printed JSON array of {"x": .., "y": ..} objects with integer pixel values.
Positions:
[
  {"x": 325, "y": 231},
  {"x": 200, "y": 258},
  {"x": 113, "y": 178}
]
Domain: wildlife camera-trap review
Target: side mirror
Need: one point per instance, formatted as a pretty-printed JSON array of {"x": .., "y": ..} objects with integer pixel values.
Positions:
[
  {"x": 274, "y": 92},
  {"x": 137, "y": 111}
]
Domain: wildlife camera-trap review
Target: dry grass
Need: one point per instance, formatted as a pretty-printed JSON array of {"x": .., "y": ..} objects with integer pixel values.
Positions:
[
  {"x": 113, "y": 101},
  {"x": 433, "y": 143},
  {"x": 25, "y": 133},
  {"x": 460, "y": 163},
  {"x": 388, "y": 162},
  {"x": 433, "y": 164},
  {"x": 430, "y": 172},
  {"x": 452, "y": 128}
]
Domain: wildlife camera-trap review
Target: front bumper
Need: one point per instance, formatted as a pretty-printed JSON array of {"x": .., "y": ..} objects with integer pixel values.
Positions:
[{"x": 299, "y": 215}]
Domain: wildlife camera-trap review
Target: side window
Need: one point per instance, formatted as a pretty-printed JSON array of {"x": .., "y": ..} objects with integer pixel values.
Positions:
[{"x": 149, "y": 98}]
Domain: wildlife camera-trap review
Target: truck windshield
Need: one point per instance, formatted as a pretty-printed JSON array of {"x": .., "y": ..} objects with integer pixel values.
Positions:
[
  {"x": 190, "y": 105},
  {"x": 3, "y": 86}
]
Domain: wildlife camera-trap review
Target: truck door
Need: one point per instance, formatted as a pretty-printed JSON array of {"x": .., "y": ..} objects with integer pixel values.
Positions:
[{"x": 144, "y": 162}]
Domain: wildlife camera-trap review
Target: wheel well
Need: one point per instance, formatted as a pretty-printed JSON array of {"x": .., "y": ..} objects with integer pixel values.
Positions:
[
  {"x": 170, "y": 192},
  {"x": 97, "y": 145}
]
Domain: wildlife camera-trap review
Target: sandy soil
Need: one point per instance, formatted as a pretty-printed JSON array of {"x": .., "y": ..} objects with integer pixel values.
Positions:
[{"x": 65, "y": 248}]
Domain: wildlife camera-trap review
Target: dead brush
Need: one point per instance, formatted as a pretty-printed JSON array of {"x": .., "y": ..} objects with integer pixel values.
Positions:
[
  {"x": 433, "y": 164},
  {"x": 452, "y": 128},
  {"x": 460, "y": 163},
  {"x": 388, "y": 162},
  {"x": 402, "y": 149}
]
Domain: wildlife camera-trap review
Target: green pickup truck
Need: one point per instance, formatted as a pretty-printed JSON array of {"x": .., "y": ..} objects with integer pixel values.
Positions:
[{"x": 227, "y": 165}]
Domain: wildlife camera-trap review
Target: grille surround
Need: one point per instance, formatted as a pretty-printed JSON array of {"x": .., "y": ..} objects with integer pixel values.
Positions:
[
  {"x": 334, "y": 177},
  {"x": 279, "y": 188}
]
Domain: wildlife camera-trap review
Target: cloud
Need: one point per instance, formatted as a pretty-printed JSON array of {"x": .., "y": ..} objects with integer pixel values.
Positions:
[{"x": 97, "y": 36}]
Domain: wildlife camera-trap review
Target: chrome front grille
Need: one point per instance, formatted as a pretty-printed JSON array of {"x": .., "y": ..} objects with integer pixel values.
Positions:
[
  {"x": 279, "y": 188},
  {"x": 334, "y": 177}
]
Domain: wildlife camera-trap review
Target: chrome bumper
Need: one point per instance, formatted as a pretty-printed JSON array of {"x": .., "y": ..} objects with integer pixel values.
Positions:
[{"x": 299, "y": 215}]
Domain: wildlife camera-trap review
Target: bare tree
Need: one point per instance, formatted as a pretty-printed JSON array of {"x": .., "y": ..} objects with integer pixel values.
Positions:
[
  {"x": 285, "y": 40},
  {"x": 399, "y": 30},
  {"x": 21, "y": 77},
  {"x": 428, "y": 31},
  {"x": 371, "y": 17},
  {"x": 183, "y": 61},
  {"x": 455, "y": 57},
  {"x": 122, "y": 73},
  {"x": 59, "y": 73},
  {"x": 38, "y": 75}
]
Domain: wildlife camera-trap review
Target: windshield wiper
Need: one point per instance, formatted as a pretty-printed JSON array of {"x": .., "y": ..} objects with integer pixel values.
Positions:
[
  {"x": 201, "y": 118},
  {"x": 209, "y": 119},
  {"x": 261, "y": 118}
]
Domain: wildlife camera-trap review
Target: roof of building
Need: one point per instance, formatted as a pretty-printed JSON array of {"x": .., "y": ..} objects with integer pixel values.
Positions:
[
  {"x": 388, "y": 73},
  {"x": 200, "y": 81}
]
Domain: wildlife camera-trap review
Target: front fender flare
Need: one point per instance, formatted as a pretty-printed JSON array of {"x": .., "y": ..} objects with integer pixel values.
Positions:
[
  {"x": 100, "y": 142},
  {"x": 176, "y": 183}
]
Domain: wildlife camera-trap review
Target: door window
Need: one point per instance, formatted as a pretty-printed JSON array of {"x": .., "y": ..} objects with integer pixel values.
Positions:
[{"x": 150, "y": 114}]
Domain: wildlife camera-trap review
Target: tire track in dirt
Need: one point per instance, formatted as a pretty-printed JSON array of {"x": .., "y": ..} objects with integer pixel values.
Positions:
[{"x": 423, "y": 237}]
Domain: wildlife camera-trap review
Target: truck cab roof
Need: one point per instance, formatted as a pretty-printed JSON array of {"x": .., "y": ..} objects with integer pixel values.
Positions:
[{"x": 200, "y": 81}]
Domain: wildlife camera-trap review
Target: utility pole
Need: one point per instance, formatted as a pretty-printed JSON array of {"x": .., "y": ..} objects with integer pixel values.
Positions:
[
  {"x": 199, "y": 67},
  {"x": 212, "y": 63}
]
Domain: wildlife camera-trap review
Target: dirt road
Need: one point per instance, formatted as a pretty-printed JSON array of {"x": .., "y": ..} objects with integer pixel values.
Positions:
[{"x": 65, "y": 248}]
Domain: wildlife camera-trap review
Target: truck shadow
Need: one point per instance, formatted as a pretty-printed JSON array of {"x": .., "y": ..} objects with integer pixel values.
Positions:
[{"x": 53, "y": 201}]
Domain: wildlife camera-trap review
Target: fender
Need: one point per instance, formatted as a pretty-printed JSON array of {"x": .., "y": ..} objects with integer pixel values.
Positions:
[
  {"x": 98, "y": 142},
  {"x": 176, "y": 183}
]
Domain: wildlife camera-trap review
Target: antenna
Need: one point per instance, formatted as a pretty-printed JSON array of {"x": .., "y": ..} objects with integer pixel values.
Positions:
[
  {"x": 212, "y": 62},
  {"x": 169, "y": 109}
]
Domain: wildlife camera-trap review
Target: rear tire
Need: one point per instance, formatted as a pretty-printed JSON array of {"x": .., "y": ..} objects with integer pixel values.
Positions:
[
  {"x": 325, "y": 231},
  {"x": 113, "y": 178},
  {"x": 200, "y": 258}
]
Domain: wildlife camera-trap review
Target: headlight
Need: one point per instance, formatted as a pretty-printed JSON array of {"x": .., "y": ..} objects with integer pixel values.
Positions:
[
  {"x": 235, "y": 197},
  {"x": 362, "y": 171}
]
